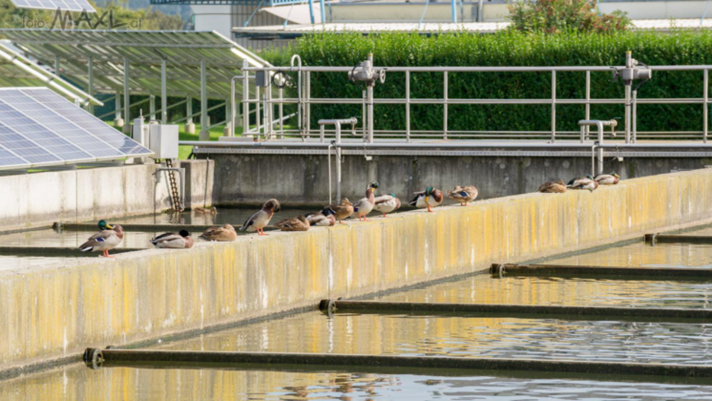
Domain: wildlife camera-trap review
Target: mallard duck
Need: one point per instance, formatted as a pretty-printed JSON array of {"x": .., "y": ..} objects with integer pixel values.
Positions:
[
  {"x": 109, "y": 237},
  {"x": 258, "y": 221},
  {"x": 583, "y": 183},
  {"x": 607, "y": 179},
  {"x": 294, "y": 224},
  {"x": 463, "y": 194},
  {"x": 342, "y": 211},
  {"x": 428, "y": 198},
  {"x": 365, "y": 204},
  {"x": 387, "y": 203},
  {"x": 181, "y": 240},
  {"x": 552, "y": 187},
  {"x": 204, "y": 210},
  {"x": 222, "y": 234},
  {"x": 323, "y": 218}
]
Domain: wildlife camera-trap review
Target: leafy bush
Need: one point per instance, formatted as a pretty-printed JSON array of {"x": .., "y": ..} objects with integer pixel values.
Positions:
[
  {"x": 555, "y": 16},
  {"x": 509, "y": 48}
]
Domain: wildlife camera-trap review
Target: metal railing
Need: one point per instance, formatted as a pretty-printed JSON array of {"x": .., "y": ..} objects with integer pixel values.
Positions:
[{"x": 305, "y": 130}]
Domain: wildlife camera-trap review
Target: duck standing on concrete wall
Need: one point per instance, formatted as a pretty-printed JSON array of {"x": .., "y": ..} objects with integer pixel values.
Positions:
[
  {"x": 258, "y": 221},
  {"x": 342, "y": 211},
  {"x": 428, "y": 198},
  {"x": 365, "y": 205},
  {"x": 552, "y": 187},
  {"x": 463, "y": 194},
  {"x": 225, "y": 233},
  {"x": 607, "y": 179},
  {"x": 583, "y": 183},
  {"x": 294, "y": 224},
  {"x": 387, "y": 203},
  {"x": 108, "y": 238},
  {"x": 323, "y": 218},
  {"x": 182, "y": 240}
]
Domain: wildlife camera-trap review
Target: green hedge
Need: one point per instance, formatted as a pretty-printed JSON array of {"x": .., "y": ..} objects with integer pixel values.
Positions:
[{"x": 508, "y": 49}]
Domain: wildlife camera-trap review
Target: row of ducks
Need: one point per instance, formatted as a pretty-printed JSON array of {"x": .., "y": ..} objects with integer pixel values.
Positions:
[
  {"x": 332, "y": 214},
  {"x": 587, "y": 182},
  {"x": 110, "y": 236}
]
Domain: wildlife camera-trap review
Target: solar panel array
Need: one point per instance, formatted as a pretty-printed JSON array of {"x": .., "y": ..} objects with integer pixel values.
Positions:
[
  {"x": 41, "y": 128},
  {"x": 64, "y": 5}
]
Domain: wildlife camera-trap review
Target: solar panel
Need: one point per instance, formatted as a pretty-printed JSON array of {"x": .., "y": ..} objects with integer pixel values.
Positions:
[
  {"x": 38, "y": 127},
  {"x": 64, "y": 5}
]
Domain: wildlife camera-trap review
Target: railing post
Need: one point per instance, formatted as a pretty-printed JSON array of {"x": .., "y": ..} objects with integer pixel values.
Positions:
[
  {"x": 588, "y": 101},
  {"x": 308, "y": 101},
  {"x": 553, "y": 106},
  {"x": 338, "y": 161},
  {"x": 705, "y": 112},
  {"x": 445, "y": 105},
  {"x": 245, "y": 99},
  {"x": 407, "y": 106}
]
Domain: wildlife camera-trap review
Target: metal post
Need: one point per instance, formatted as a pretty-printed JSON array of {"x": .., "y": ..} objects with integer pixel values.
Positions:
[
  {"x": 258, "y": 118},
  {"x": 189, "y": 114},
  {"x": 369, "y": 114},
  {"x": 164, "y": 94},
  {"x": 233, "y": 127},
  {"x": 364, "y": 117},
  {"x": 480, "y": 6},
  {"x": 338, "y": 161},
  {"x": 308, "y": 101},
  {"x": 90, "y": 83},
  {"x": 553, "y": 106},
  {"x": 705, "y": 104},
  {"x": 628, "y": 89},
  {"x": 323, "y": 17},
  {"x": 407, "y": 106},
  {"x": 588, "y": 101},
  {"x": 117, "y": 107},
  {"x": 445, "y": 105},
  {"x": 127, "y": 99},
  {"x": 204, "y": 131},
  {"x": 453, "y": 10},
  {"x": 229, "y": 117},
  {"x": 151, "y": 107},
  {"x": 245, "y": 99},
  {"x": 281, "y": 113},
  {"x": 634, "y": 134},
  {"x": 599, "y": 152},
  {"x": 311, "y": 12},
  {"x": 583, "y": 133}
]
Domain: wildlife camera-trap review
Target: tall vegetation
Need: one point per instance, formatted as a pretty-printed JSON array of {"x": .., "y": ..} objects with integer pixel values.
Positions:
[
  {"x": 555, "y": 16},
  {"x": 511, "y": 48}
]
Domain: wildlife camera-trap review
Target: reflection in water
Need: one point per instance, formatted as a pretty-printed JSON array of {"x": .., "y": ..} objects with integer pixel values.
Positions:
[
  {"x": 559, "y": 291},
  {"x": 234, "y": 216},
  {"x": 115, "y": 384},
  {"x": 645, "y": 255},
  {"x": 471, "y": 337}
]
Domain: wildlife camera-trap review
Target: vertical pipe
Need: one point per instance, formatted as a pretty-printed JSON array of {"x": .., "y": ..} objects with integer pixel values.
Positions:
[
  {"x": 628, "y": 89},
  {"x": 322, "y": 133},
  {"x": 553, "y": 106},
  {"x": 308, "y": 101},
  {"x": 311, "y": 12},
  {"x": 583, "y": 133},
  {"x": 258, "y": 114},
  {"x": 281, "y": 113},
  {"x": 323, "y": 17},
  {"x": 600, "y": 148},
  {"x": 705, "y": 112},
  {"x": 369, "y": 114},
  {"x": 189, "y": 111},
  {"x": 151, "y": 107},
  {"x": 90, "y": 83},
  {"x": 204, "y": 134},
  {"x": 338, "y": 161},
  {"x": 634, "y": 130},
  {"x": 480, "y": 16},
  {"x": 245, "y": 99},
  {"x": 229, "y": 130},
  {"x": 364, "y": 119},
  {"x": 453, "y": 11},
  {"x": 127, "y": 98},
  {"x": 233, "y": 128},
  {"x": 588, "y": 102},
  {"x": 117, "y": 108},
  {"x": 445, "y": 105},
  {"x": 164, "y": 93},
  {"x": 407, "y": 106}
]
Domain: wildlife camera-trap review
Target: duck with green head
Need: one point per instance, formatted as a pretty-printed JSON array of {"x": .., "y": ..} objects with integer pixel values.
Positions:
[
  {"x": 429, "y": 198},
  {"x": 109, "y": 237},
  {"x": 583, "y": 183}
]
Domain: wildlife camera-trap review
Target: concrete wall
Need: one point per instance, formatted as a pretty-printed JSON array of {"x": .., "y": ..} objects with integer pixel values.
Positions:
[
  {"x": 55, "y": 312},
  {"x": 40, "y": 199},
  {"x": 303, "y": 180}
]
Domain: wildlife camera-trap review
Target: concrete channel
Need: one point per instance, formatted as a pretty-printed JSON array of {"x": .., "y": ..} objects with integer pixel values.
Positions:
[
  {"x": 147, "y": 295},
  {"x": 500, "y": 269}
]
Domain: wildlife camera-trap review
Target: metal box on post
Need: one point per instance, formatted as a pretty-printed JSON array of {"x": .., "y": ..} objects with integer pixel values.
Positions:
[{"x": 164, "y": 141}]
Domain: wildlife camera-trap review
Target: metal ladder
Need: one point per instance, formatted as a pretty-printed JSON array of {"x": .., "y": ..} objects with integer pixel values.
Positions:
[{"x": 175, "y": 197}]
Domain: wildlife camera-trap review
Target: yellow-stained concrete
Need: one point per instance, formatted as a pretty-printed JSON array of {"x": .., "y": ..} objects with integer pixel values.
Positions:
[{"x": 54, "y": 312}]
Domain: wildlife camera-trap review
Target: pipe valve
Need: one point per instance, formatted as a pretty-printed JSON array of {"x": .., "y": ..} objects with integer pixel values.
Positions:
[
  {"x": 364, "y": 72},
  {"x": 632, "y": 71}
]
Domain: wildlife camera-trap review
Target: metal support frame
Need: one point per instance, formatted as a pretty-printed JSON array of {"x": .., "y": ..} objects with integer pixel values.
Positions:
[
  {"x": 151, "y": 108},
  {"x": 90, "y": 82},
  {"x": 323, "y": 17},
  {"x": 453, "y": 10},
  {"x": 337, "y": 144},
  {"x": 553, "y": 106},
  {"x": 117, "y": 108},
  {"x": 127, "y": 98},
  {"x": 120, "y": 108},
  {"x": 407, "y": 106},
  {"x": 311, "y": 11},
  {"x": 188, "y": 111},
  {"x": 705, "y": 105},
  {"x": 164, "y": 94},
  {"x": 204, "y": 134},
  {"x": 597, "y": 146},
  {"x": 444, "y": 107}
]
